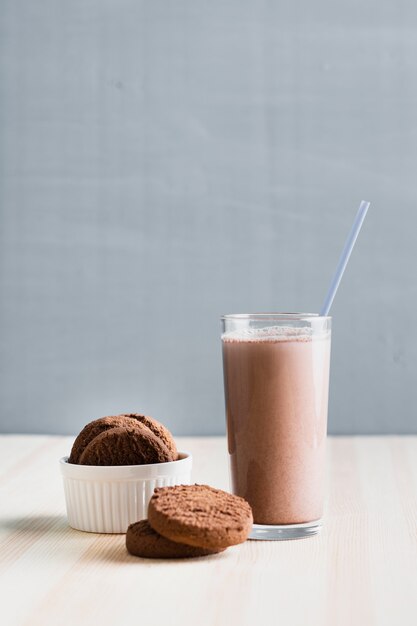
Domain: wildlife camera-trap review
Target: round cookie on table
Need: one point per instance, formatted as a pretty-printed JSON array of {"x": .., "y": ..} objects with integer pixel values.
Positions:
[
  {"x": 142, "y": 540},
  {"x": 200, "y": 516}
]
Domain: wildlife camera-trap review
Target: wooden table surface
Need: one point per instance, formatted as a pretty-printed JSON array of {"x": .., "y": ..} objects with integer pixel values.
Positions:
[{"x": 361, "y": 570}]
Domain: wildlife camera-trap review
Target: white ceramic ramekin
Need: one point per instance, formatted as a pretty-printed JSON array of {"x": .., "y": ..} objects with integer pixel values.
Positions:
[{"x": 106, "y": 499}]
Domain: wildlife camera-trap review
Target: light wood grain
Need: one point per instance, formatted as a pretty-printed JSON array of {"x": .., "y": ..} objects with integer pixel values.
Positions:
[{"x": 361, "y": 570}]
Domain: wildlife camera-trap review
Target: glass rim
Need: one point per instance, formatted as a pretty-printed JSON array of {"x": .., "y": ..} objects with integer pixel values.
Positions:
[{"x": 262, "y": 317}]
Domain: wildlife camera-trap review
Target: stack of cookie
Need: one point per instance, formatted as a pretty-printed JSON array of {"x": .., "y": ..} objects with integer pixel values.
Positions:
[
  {"x": 190, "y": 521},
  {"x": 126, "y": 439}
]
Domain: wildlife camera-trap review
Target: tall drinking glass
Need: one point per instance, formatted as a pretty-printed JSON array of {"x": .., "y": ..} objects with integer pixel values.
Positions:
[{"x": 276, "y": 379}]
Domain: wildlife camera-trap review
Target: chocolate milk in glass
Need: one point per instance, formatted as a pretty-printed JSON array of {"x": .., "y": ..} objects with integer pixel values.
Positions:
[{"x": 276, "y": 375}]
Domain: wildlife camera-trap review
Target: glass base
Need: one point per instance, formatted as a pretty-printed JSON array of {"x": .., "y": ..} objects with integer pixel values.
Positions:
[{"x": 266, "y": 532}]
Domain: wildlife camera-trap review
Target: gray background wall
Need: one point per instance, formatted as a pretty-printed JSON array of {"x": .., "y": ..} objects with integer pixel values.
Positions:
[{"x": 163, "y": 162}]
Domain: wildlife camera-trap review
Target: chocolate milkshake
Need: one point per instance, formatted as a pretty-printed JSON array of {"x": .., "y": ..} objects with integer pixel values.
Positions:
[{"x": 276, "y": 372}]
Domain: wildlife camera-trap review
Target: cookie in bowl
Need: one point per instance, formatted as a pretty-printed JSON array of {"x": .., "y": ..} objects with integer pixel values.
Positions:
[{"x": 114, "y": 466}]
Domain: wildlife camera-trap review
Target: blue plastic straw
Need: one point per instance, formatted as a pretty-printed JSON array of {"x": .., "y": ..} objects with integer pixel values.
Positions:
[{"x": 344, "y": 257}]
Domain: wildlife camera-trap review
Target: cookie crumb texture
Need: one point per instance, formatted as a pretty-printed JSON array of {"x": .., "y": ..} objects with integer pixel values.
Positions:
[
  {"x": 142, "y": 540},
  {"x": 123, "y": 440},
  {"x": 200, "y": 516},
  {"x": 157, "y": 428}
]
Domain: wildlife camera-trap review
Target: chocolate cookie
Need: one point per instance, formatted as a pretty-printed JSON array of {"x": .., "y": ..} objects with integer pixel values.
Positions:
[
  {"x": 92, "y": 430},
  {"x": 200, "y": 516},
  {"x": 157, "y": 428},
  {"x": 125, "y": 445},
  {"x": 142, "y": 540}
]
